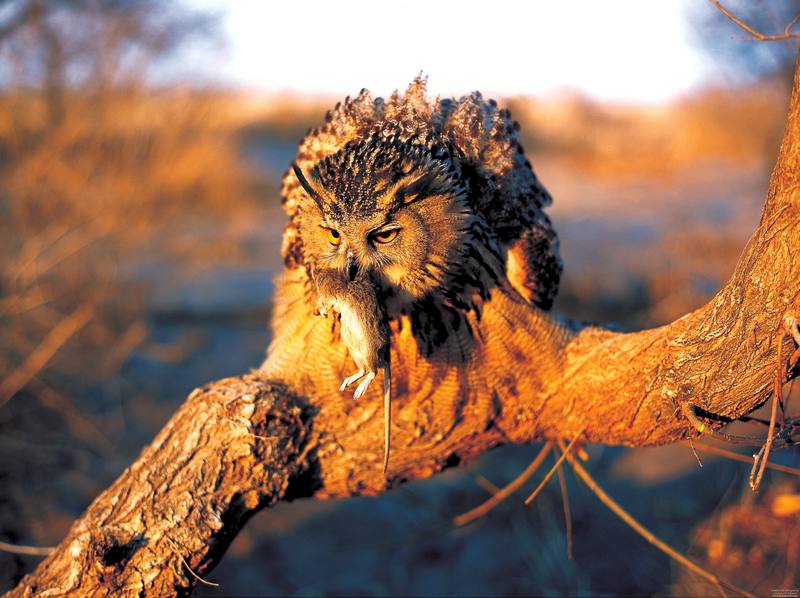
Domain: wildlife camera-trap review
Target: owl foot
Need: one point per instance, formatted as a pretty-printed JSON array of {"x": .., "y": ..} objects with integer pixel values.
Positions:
[{"x": 350, "y": 379}]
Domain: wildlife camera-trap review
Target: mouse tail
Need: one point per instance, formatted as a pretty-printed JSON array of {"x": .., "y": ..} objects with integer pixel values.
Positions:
[{"x": 387, "y": 414}]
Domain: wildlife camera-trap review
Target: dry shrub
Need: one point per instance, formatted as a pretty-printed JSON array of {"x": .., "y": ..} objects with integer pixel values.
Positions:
[
  {"x": 135, "y": 158},
  {"x": 121, "y": 175},
  {"x": 741, "y": 125},
  {"x": 284, "y": 117},
  {"x": 754, "y": 542}
]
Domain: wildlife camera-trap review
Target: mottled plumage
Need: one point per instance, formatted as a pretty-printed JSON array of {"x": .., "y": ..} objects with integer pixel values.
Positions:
[
  {"x": 474, "y": 148},
  {"x": 410, "y": 210}
]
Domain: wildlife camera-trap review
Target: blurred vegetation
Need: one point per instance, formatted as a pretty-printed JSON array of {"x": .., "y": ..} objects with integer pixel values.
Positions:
[
  {"x": 741, "y": 59},
  {"x": 112, "y": 178},
  {"x": 757, "y": 534},
  {"x": 714, "y": 124},
  {"x": 104, "y": 176},
  {"x": 98, "y": 173},
  {"x": 96, "y": 166}
]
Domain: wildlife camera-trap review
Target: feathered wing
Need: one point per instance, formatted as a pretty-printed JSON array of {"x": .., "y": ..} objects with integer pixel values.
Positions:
[
  {"x": 534, "y": 265},
  {"x": 484, "y": 141}
]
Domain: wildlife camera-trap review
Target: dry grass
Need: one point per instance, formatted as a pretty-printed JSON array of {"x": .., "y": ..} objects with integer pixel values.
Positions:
[
  {"x": 122, "y": 179},
  {"x": 130, "y": 157},
  {"x": 740, "y": 125},
  {"x": 121, "y": 175},
  {"x": 752, "y": 542}
]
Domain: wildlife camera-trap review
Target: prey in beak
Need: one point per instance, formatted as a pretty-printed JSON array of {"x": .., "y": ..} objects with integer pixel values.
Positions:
[{"x": 364, "y": 331}]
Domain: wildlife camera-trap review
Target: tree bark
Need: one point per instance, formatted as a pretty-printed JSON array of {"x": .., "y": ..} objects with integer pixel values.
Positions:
[{"x": 241, "y": 444}]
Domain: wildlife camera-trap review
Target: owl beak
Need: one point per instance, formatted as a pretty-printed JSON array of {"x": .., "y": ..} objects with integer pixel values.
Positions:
[{"x": 352, "y": 267}]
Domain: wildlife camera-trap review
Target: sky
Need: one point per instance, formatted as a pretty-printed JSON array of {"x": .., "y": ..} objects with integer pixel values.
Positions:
[{"x": 617, "y": 50}]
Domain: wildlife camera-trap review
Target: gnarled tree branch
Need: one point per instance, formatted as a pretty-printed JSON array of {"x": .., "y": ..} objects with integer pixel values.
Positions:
[{"x": 241, "y": 444}]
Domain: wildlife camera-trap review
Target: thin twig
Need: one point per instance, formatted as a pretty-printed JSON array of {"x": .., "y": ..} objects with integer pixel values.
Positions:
[
  {"x": 75, "y": 241},
  {"x": 44, "y": 352},
  {"x": 777, "y": 399},
  {"x": 694, "y": 452},
  {"x": 84, "y": 427},
  {"x": 789, "y": 320},
  {"x": 787, "y": 34},
  {"x": 553, "y": 469},
  {"x": 27, "y": 550},
  {"x": 562, "y": 484},
  {"x": 749, "y": 419},
  {"x": 794, "y": 331},
  {"x": 133, "y": 336},
  {"x": 688, "y": 411},
  {"x": 486, "y": 484},
  {"x": 715, "y": 450},
  {"x": 788, "y": 30},
  {"x": 506, "y": 491},
  {"x": 188, "y": 568},
  {"x": 794, "y": 359},
  {"x": 643, "y": 531}
]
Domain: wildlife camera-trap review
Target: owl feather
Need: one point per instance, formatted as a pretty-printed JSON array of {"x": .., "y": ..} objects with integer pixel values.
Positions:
[
  {"x": 417, "y": 211},
  {"x": 474, "y": 141}
]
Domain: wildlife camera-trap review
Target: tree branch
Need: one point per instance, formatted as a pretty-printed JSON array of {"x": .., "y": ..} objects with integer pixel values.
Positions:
[
  {"x": 786, "y": 35},
  {"x": 244, "y": 443},
  {"x": 171, "y": 515}
]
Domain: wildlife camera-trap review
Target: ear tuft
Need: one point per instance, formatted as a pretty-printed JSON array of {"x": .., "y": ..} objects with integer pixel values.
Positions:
[{"x": 303, "y": 180}]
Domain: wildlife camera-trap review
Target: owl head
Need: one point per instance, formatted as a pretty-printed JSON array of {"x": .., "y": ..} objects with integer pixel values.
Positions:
[
  {"x": 427, "y": 197},
  {"x": 388, "y": 206}
]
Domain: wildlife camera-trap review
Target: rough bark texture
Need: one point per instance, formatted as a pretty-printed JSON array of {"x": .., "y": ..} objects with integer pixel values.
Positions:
[
  {"x": 184, "y": 499},
  {"x": 240, "y": 444}
]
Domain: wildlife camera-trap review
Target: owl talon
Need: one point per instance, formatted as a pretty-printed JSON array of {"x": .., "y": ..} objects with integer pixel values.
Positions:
[
  {"x": 362, "y": 387},
  {"x": 350, "y": 379}
]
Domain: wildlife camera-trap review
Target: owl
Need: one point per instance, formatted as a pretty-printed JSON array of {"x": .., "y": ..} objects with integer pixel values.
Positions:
[{"x": 408, "y": 212}]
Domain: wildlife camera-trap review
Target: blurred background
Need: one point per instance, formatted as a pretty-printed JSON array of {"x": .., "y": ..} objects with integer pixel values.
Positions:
[{"x": 141, "y": 147}]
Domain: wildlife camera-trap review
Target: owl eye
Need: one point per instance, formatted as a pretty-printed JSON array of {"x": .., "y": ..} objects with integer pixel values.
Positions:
[
  {"x": 386, "y": 236},
  {"x": 334, "y": 236}
]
